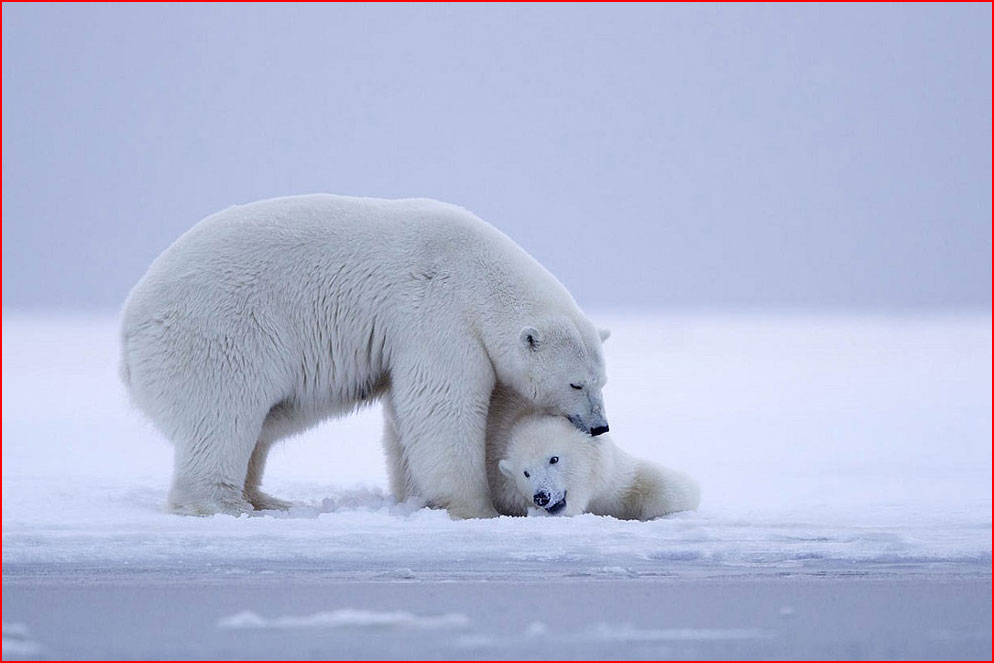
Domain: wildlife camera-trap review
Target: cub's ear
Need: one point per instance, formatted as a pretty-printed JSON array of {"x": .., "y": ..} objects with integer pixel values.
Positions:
[
  {"x": 605, "y": 334},
  {"x": 505, "y": 468},
  {"x": 530, "y": 338}
]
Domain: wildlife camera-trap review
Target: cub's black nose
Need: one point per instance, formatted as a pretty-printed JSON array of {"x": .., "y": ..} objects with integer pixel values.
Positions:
[
  {"x": 541, "y": 498},
  {"x": 598, "y": 430}
]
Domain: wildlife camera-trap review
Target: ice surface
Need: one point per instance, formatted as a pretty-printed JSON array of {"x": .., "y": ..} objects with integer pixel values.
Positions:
[
  {"x": 826, "y": 446},
  {"x": 628, "y": 633}
]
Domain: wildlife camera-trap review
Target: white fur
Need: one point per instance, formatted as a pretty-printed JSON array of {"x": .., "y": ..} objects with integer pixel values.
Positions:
[
  {"x": 591, "y": 474},
  {"x": 265, "y": 319}
]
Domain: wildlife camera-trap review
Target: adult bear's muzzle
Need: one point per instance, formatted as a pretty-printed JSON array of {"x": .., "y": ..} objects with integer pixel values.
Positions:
[{"x": 597, "y": 427}]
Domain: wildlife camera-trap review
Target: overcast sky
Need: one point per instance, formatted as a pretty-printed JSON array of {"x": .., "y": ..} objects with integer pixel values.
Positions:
[{"x": 652, "y": 156}]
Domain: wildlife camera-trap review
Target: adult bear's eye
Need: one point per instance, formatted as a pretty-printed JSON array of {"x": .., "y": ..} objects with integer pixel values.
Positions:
[
  {"x": 526, "y": 474},
  {"x": 576, "y": 386},
  {"x": 553, "y": 460}
]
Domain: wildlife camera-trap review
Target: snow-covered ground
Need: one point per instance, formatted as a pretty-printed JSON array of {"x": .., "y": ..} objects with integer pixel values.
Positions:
[{"x": 847, "y": 450}]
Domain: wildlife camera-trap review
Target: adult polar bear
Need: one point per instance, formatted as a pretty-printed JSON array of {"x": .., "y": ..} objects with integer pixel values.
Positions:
[{"x": 264, "y": 319}]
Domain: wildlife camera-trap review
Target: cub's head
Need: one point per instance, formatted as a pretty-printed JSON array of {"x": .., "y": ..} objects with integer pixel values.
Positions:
[
  {"x": 562, "y": 371},
  {"x": 546, "y": 463}
]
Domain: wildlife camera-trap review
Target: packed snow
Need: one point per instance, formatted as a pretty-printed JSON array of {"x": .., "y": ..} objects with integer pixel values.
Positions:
[
  {"x": 817, "y": 441},
  {"x": 824, "y": 446}
]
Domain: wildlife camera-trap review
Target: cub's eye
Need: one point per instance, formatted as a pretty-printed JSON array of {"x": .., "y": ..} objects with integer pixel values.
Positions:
[
  {"x": 526, "y": 474},
  {"x": 553, "y": 460},
  {"x": 576, "y": 386}
]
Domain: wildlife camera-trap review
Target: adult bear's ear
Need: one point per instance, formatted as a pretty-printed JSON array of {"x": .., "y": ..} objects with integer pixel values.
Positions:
[
  {"x": 605, "y": 334},
  {"x": 530, "y": 338},
  {"x": 505, "y": 468}
]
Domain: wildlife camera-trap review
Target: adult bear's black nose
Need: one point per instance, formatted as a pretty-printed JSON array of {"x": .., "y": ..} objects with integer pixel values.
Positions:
[
  {"x": 541, "y": 498},
  {"x": 598, "y": 430}
]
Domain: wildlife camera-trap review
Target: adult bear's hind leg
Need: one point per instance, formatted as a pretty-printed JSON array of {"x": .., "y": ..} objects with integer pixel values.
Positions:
[
  {"x": 209, "y": 475},
  {"x": 396, "y": 464},
  {"x": 207, "y": 389},
  {"x": 259, "y": 500}
]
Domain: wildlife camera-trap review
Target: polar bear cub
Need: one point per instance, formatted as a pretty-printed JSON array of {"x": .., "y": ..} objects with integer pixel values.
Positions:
[{"x": 549, "y": 468}]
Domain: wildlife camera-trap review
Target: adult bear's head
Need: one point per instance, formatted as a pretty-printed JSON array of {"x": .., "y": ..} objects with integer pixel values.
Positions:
[{"x": 563, "y": 370}]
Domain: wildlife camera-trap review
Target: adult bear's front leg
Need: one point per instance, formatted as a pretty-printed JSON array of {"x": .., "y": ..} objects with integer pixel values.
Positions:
[{"x": 440, "y": 421}]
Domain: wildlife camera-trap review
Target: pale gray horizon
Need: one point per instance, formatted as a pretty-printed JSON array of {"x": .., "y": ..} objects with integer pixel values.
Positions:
[{"x": 651, "y": 156}]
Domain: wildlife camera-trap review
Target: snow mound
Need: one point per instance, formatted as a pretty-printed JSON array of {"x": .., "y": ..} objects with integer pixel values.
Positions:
[
  {"x": 345, "y": 618},
  {"x": 17, "y": 642}
]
